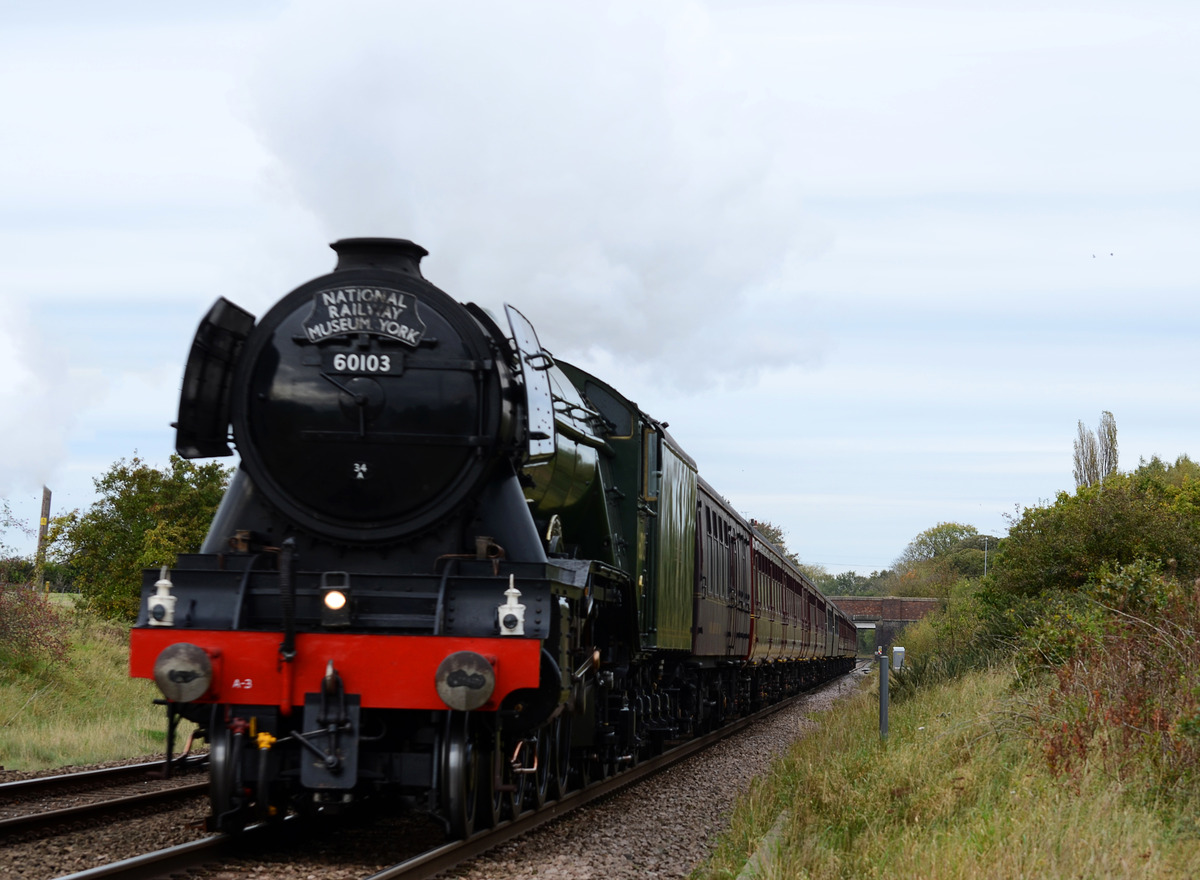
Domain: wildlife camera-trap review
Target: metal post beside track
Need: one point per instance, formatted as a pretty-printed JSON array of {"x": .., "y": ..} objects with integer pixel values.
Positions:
[{"x": 883, "y": 696}]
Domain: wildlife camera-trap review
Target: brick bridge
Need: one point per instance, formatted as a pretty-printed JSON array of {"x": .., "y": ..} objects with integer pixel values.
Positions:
[{"x": 887, "y": 615}]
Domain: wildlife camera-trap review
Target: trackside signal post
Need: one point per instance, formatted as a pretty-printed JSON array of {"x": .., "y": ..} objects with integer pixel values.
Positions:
[
  {"x": 897, "y": 663},
  {"x": 883, "y": 694}
]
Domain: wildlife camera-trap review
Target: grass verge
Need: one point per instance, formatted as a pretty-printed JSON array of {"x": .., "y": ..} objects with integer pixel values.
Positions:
[
  {"x": 962, "y": 790},
  {"x": 81, "y": 710}
]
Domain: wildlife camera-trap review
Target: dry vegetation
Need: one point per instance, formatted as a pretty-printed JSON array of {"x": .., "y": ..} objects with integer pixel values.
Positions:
[
  {"x": 961, "y": 790},
  {"x": 75, "y": 704}
]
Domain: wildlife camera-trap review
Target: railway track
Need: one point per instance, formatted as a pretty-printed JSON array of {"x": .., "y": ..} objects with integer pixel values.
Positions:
[
  {"x": 35, "y": 806},
  {"x": 105, "y": 776},
  {"x": 211, "y": 851}
]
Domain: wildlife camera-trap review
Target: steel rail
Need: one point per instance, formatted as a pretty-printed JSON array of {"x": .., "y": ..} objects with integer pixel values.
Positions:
[
  {"x": 200, "y": 853},
  {"x": 160, "y": 863},
  {"x": 98, "y": 809},
  {"x": 104, "y": 775}
]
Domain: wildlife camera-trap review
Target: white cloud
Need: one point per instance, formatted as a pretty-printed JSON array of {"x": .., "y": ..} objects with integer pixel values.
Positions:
[
  {"x": 598, "y": 167},
  {"x": 36, "y": 399},
  {"x": 845, "y": 249},
  {"x": 129, "y": 202}
]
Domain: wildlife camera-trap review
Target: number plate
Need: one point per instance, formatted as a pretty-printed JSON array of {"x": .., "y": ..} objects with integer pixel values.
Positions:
[{"x": 362, "y": 363}]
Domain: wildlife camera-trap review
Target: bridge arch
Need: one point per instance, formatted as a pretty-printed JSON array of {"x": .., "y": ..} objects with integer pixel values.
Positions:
[{"x": 887, "y": 615}]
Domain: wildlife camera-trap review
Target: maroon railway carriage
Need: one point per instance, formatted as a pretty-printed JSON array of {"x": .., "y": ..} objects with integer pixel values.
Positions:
[{"x": 753, "y": 604}]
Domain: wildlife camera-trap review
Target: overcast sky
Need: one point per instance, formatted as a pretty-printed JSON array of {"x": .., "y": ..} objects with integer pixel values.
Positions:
[{"x": 872, "y": 261}]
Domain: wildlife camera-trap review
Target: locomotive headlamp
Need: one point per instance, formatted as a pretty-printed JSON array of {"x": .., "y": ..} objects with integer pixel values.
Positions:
[{"x": 335, "y": 598}]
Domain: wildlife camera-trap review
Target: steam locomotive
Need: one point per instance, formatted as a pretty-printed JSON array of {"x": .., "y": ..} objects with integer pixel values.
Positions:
[{"x": 450, "y": 567}]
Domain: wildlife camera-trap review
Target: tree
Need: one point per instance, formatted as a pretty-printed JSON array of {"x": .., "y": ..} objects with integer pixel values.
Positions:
[
  {"x": 1106, "y": 442},
  {"x": 1095, "y": 453},
  {"x": 1065, "y": 546},
  {"x": 851, "y": 583},
  {"x": 934, "y": 542},
  {"x": 939, "y": 557},
  {"x": 14, "y": 569},
  {"x": 9, "y": 521},
  {"x": 1184, "y": 470},
  {"x": 144, "y": 518},
  {"x": 775, "y": 535},
  {"x": 1087, "y": 457}
]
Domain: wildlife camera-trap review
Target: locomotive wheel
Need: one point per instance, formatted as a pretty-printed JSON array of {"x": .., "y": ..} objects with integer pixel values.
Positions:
[
  {"x": 462, "y": 774},
  {"x": 224, "y": 758},
  {"x": 541, "y": 779},
  {"x": 560, "y": 756}
]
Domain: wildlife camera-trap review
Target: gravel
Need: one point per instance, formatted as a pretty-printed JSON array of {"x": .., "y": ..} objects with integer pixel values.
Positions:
[
  {"x": 76, "y": 850},
  {"x": 94, "y": 791},
  {"x": 33, "y": 855}
]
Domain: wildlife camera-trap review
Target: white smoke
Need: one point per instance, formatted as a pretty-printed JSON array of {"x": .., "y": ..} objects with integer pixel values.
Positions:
[
  {"x": 599, "y": 167},
  {"x": 37, "y": 399}
]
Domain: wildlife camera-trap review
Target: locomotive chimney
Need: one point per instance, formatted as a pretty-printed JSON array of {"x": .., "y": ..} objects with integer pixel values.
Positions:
[{"x": 390, "y": 254}]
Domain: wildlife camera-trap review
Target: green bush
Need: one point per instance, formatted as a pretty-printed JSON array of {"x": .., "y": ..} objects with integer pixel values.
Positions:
[
  {"x": 16, "y": 570},
  {"x": 1143, "y": 515},
  {"x": 143, "y": 519}
]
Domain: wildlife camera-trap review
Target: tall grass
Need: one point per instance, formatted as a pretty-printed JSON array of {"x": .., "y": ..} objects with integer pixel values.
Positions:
[
  {"x": 961, "y": 790},
  {"x": 81, "y": 709}
]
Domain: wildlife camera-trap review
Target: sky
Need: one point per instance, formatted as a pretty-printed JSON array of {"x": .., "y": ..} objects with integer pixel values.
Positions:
[{"x": 873, "y": 262}]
